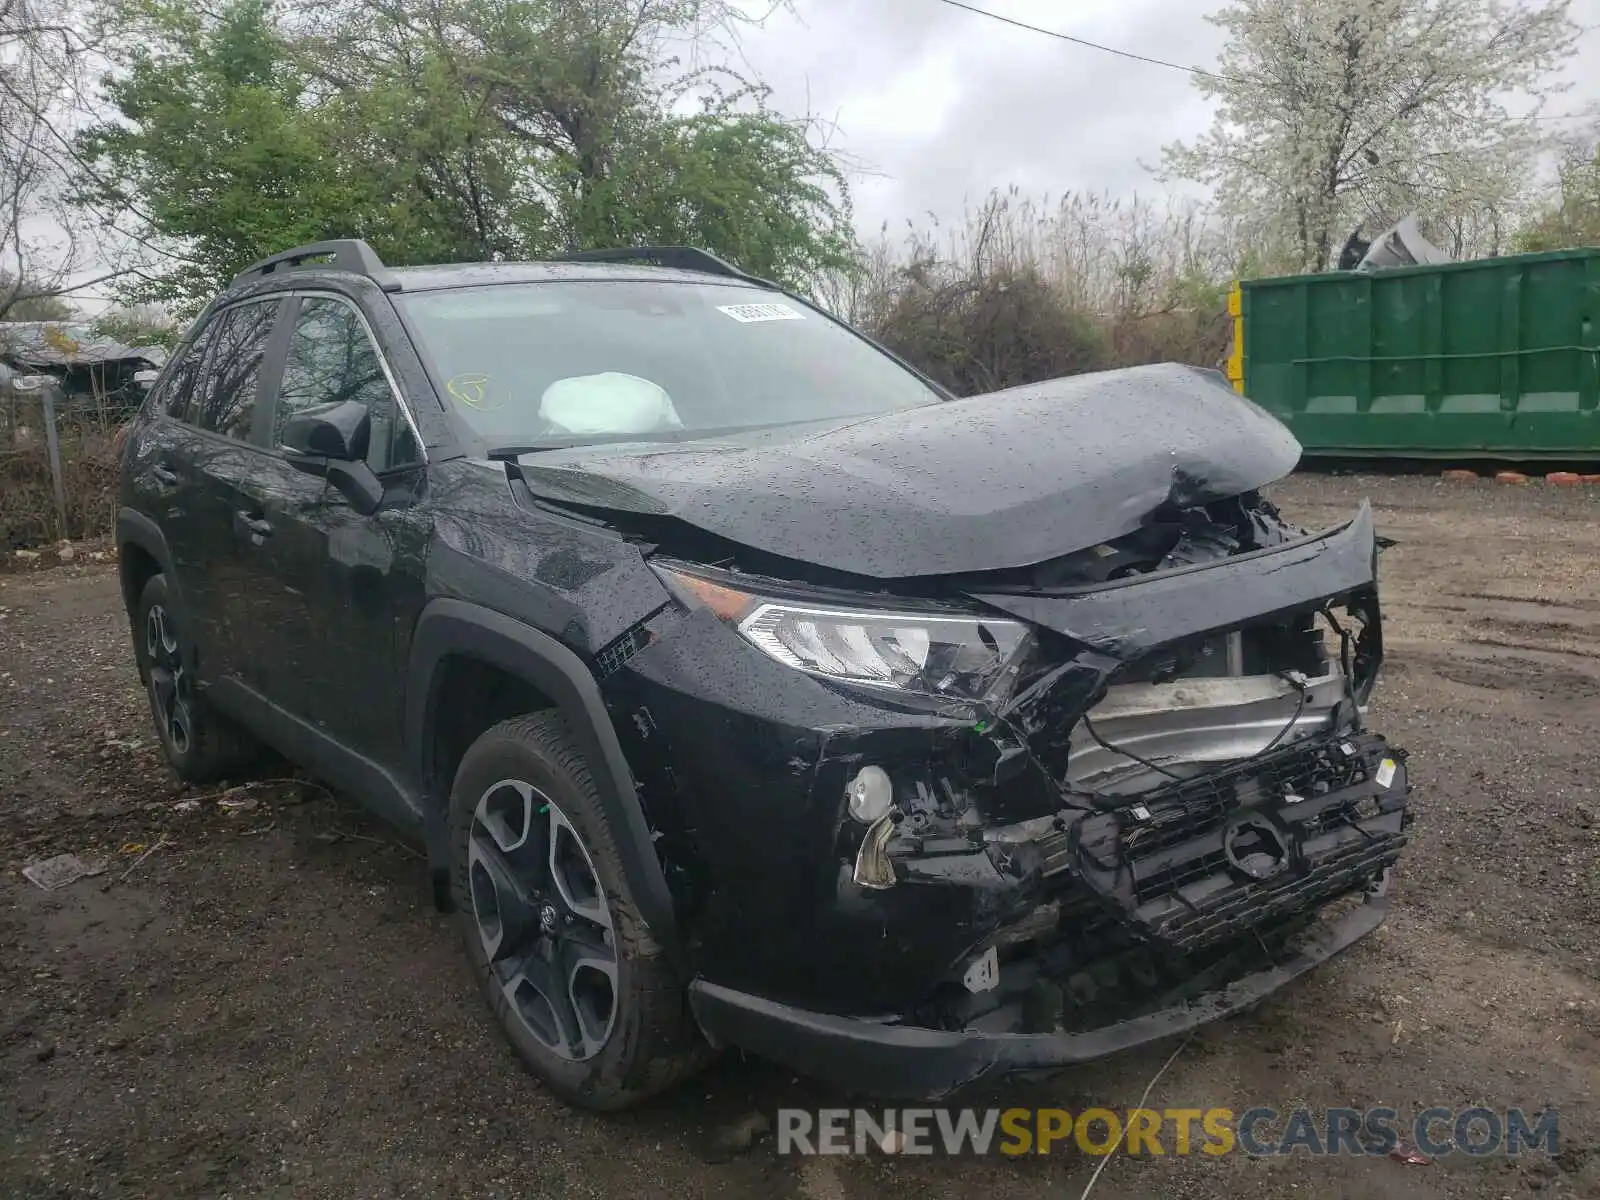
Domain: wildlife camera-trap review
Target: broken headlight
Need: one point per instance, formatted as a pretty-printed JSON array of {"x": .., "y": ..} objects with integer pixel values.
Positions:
[{"x": 930, "y": 654}]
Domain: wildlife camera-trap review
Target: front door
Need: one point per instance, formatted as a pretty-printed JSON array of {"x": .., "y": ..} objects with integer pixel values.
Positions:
[{"x": 345, "y": 583}]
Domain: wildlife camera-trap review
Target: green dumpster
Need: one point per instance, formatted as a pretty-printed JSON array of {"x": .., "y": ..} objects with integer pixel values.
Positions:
[{"x": 1495, "y": 358}]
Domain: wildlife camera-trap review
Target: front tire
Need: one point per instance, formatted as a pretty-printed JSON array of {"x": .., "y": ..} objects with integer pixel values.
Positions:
[
  {"x": 551, "y": 928},
  {"x": 201, "y": 744}
]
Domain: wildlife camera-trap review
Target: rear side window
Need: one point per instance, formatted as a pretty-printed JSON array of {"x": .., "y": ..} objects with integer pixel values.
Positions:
[
  {"x": 178, "y": 392},
  {"x": 224, "y": 392}
]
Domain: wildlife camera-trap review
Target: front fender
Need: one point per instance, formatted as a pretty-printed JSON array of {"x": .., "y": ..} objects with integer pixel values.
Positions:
[{"x": 456, "y": 627}]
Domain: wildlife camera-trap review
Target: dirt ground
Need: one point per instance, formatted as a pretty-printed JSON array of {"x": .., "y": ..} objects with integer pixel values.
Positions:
[{"x": 266, "y": 1005}]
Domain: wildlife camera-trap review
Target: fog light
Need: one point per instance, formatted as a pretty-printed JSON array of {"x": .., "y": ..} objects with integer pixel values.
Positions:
[
  {"x": 870, "y": 794},
  {"x": 873, "y": 868}
]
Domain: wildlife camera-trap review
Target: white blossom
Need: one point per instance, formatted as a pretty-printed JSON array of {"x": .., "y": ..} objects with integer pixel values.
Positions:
[{"x": 1339, "y": 114}]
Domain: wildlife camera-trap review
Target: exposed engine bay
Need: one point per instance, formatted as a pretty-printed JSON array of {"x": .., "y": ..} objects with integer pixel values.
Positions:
[{"x": 1169, "y": 538}]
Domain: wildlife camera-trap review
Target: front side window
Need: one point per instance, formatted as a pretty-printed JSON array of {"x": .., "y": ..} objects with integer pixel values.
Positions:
[
  {"x": 331, "y": 360},
  {"x": 573, "y": 362},
  {"x": 222, "y": 396}
]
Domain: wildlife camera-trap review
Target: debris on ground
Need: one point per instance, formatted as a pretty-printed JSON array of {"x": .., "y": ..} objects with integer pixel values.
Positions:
[
  {"x": 1407, "y": 1153},
  {"x": 334, "y": 836},
  {"x": 739, "y": 1136},
  {"x": 52, "y": 873},
  {"x": 132, "y": 847},
  {"x": 293, "y": 790}
]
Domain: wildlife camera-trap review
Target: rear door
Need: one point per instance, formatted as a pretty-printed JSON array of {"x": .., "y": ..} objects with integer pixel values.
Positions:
[{"x": 208, "y": 446}]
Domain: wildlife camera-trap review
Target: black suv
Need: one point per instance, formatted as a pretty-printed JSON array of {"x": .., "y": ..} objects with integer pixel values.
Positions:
[{"x": 748, "y": 689}]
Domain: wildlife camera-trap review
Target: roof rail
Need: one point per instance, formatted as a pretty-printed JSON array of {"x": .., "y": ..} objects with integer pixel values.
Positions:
[
  {"x": 680, "y": 258},
  {"x": 345, "y": 254}
]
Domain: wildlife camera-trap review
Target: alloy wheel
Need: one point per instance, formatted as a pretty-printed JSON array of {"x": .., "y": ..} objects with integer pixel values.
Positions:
[
  {"x": 542, "y": 918},
  {"x": 170, "y": 697}
]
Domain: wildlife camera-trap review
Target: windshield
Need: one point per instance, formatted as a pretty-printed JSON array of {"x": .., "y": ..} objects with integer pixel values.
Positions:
[{"x": 563, "y": 363}]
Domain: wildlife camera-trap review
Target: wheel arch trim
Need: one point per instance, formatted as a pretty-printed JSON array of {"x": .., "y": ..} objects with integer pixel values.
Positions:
[
  {"x": 136, "y": 529},
  {"x": 449, "y": 627}
]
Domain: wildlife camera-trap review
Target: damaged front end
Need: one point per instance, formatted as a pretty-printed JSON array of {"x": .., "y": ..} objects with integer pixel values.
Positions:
[{"x": 1166, "y": 806}]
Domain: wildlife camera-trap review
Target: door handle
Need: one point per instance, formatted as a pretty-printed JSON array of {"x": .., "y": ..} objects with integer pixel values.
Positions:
[
  {"x": 164, "y": 475},
  {"x": 256, "y": 527}
]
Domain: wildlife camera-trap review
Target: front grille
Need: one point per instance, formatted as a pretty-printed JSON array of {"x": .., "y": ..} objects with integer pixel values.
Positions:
[
  {"x": 1323, "y": 825},
  {"x": 1170, "y": 879},
  {"x": 1183, "y": 811},
  {"x": 1243, "y": 911}
]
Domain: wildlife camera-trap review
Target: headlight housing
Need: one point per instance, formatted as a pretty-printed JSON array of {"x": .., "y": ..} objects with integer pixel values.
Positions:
[{"x": 940, "y": 655}]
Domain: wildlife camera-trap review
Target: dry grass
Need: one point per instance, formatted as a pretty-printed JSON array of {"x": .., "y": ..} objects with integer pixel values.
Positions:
[
  {"x": 28, "y": 515},
  {"x": 1023, "y": 291}
]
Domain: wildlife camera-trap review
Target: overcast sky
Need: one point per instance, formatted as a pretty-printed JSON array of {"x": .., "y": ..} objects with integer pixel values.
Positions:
[
  {"x": 947, "y": 104},
  {"x": 940, "y": 105}
]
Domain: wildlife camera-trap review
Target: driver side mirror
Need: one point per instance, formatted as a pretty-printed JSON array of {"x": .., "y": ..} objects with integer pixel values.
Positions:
[
  {"x": 332, "y": 442},
  {"x": 339, "y": 432}
]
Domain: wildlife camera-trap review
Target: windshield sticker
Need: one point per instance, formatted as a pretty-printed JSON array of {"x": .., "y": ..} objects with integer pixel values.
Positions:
[{"x": 749, "y": 314}]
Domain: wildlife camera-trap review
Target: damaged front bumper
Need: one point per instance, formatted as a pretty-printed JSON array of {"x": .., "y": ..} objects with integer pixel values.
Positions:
[
  {"x": 1174, "y": 811},
  {"x": 917, "y": 1062},
  {"x": 1143, "y": 926}
]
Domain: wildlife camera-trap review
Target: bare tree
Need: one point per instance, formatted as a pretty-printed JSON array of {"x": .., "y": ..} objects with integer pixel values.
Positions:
[{"x": 44, "y": 48}]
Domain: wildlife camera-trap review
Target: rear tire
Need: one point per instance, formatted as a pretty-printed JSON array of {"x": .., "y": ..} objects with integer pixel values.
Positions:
[
  {"x": 201, "y": 744},
  {"x": 551, "y": 928}
]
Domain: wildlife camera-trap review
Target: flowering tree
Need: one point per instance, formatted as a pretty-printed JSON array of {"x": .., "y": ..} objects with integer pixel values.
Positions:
[{"x": 1337, "y": 114}]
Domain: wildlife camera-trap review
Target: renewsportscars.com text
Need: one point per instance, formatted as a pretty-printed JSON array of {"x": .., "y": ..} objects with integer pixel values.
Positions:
[{"x": 958, "y": 1132}]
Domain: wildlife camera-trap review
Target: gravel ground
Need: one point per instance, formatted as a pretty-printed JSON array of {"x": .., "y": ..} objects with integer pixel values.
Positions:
[{"x": 265, "y": 1004}]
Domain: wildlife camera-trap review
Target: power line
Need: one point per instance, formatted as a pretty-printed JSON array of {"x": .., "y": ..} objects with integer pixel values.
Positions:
[
  {"x": 1078, "y": 41},
  {"x": 1172, "y": 66}
]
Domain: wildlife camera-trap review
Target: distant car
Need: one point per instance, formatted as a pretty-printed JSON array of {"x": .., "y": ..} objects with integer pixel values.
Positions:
[{"x": 749, "y": 690}]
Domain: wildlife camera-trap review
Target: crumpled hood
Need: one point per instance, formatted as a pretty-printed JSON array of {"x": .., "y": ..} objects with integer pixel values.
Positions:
[{"x": 1003, "y": 480}]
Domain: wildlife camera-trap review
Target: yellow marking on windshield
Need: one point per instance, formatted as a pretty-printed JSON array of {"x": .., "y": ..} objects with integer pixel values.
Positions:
[{"x": 468, "y": 390}]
